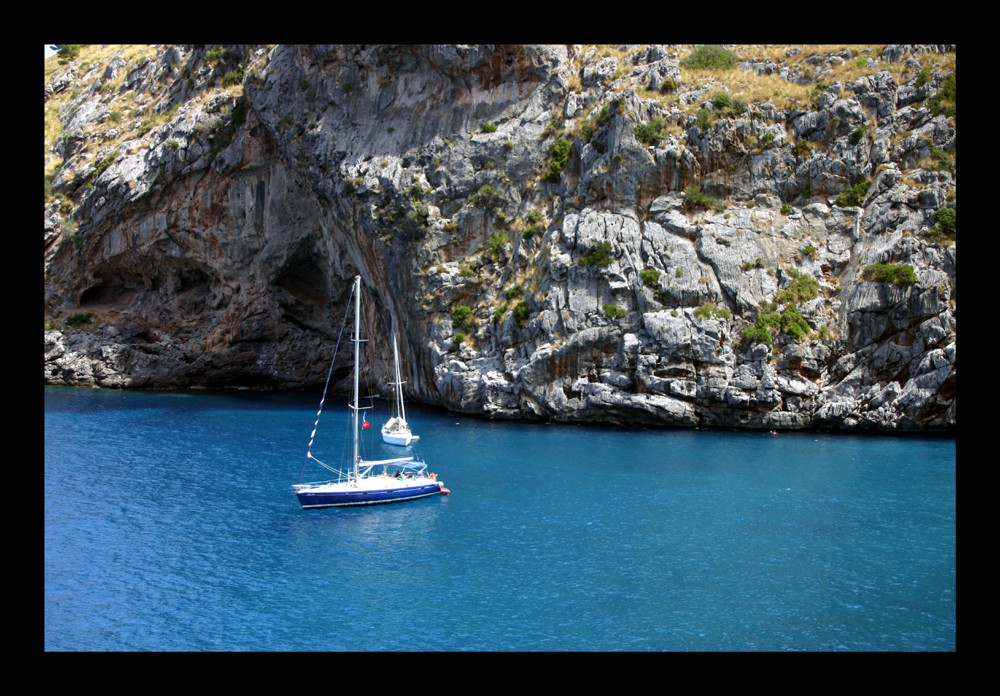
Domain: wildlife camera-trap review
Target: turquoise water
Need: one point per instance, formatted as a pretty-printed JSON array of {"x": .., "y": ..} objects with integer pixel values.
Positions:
[{"x": 170, "y": 526}]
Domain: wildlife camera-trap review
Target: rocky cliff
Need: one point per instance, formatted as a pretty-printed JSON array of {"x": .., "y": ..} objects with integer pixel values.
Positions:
[{"x": 746, "y": 236}]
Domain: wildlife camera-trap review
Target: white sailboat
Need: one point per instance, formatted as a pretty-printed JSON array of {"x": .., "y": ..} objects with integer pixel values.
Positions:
[
  {"x": 396, "y": 430},
  {"x": 365, "y": 482}
]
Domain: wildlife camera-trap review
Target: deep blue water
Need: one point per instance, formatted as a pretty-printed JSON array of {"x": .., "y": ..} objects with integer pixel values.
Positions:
[{"x": 170, "y": 526}]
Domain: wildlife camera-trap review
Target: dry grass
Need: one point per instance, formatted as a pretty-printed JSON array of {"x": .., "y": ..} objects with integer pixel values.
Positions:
[
  {"x": 128, "y": 113},
  {"x": 782, "y": 93},
  {"x": 92, "y": 58}
]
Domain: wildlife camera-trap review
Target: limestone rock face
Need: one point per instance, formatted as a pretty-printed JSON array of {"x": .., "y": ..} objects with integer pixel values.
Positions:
[{"x": 214, "y": 203}]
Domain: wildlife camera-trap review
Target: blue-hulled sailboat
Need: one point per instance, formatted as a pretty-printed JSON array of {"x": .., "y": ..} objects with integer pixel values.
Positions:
[{"x": 365, "y": 482}]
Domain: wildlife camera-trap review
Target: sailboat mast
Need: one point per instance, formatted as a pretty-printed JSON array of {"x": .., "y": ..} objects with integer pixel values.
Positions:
[
  {"x": 357, "y": 363},
  {"x": 399, "y": 381}
]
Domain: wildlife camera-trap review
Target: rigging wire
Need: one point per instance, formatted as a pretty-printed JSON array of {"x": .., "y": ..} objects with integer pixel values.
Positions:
[{"x": 325, "y": 387}]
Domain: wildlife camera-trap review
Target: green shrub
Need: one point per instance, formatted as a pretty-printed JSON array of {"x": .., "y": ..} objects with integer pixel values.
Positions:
[
  {"x": 793, "y": 323},
  {"x": 860, "y": 133},
  {"x": 554, "y": 127},
  {"x": 239, "y": 113},
  {"x": 710, "y": 309},
  {"x": 533, "y": 229},
  {"x": 78, "y": 319},
  {"x": 853, "y": 196},
  {"x": 939, "y": 161},
  {"x": 722, "y": 100},
  {"x": 68, "y": 52},
  {"x": 416, "y": 217},
  {"x": 233, "y": 77},
  {"x": 614, "y": 311},
  {"x": 945, "y": 219},
  {"x": 487, "y": 197},
  {"x": 802, "y": 288},
  {"x": 944, "y": 101},
  {"x": 757, "y": 334},
  {"x": 218, "y": 53},
  {"x": 786, "y": 209},
  {"x": 651, "y": 133},
  {"x": 668, "y": 86},
  {"x": 586, "y": 130},
  {"x": 599, "y": 254},
  {"x": 487, "y": 127},
  {"x": 770, "y": 321},
  {"x": 889, "y": 273},
  {"x": 458, "y": 338},
  {"x": 515, "y": 291},
  {"x": 106, "y": 162},
  {"x": 704, "y": 118},
  {"x": 496, "y": 244},
  {"x": 695, "y": 200},
  {"x": 650, "y": 277},
  {"x": 462, "y": 317},
  {"x": 709, "y": 58},
  {"x": 609, "y": 110},
  {"x": 559, "y": 152},
  {"x": 521, "y": 313}
]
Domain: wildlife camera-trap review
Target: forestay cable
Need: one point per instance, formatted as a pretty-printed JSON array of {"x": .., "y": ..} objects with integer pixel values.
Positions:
[{"x": 325, "y": 387}]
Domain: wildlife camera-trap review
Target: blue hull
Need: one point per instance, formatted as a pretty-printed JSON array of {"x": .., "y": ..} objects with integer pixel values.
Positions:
[{"x": 341, "y": 499}]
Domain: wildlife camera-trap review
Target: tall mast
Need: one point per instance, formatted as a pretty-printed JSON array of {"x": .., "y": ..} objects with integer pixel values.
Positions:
[
  {"x": 399, "y": 381},
  {"x": 357, "y": 353}
]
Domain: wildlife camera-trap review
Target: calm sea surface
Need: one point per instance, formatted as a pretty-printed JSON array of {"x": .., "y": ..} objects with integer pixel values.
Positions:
[{"x": 170, "y": 526}]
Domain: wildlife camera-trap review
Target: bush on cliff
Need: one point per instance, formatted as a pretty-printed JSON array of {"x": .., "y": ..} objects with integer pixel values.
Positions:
[
  {"x": 709, "y": 58},
  {"x": 695, "y": 199},
  {"x": 853, "y": 196},
  {"x": 560, "y": 155},
  {"x": 889, "y": 273},
  {"x": 802, "y": 288},
  {"x": 944, "y": 101},
  {"x": 462, "y": 317},
  {"x": 599, "y": 254}
]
